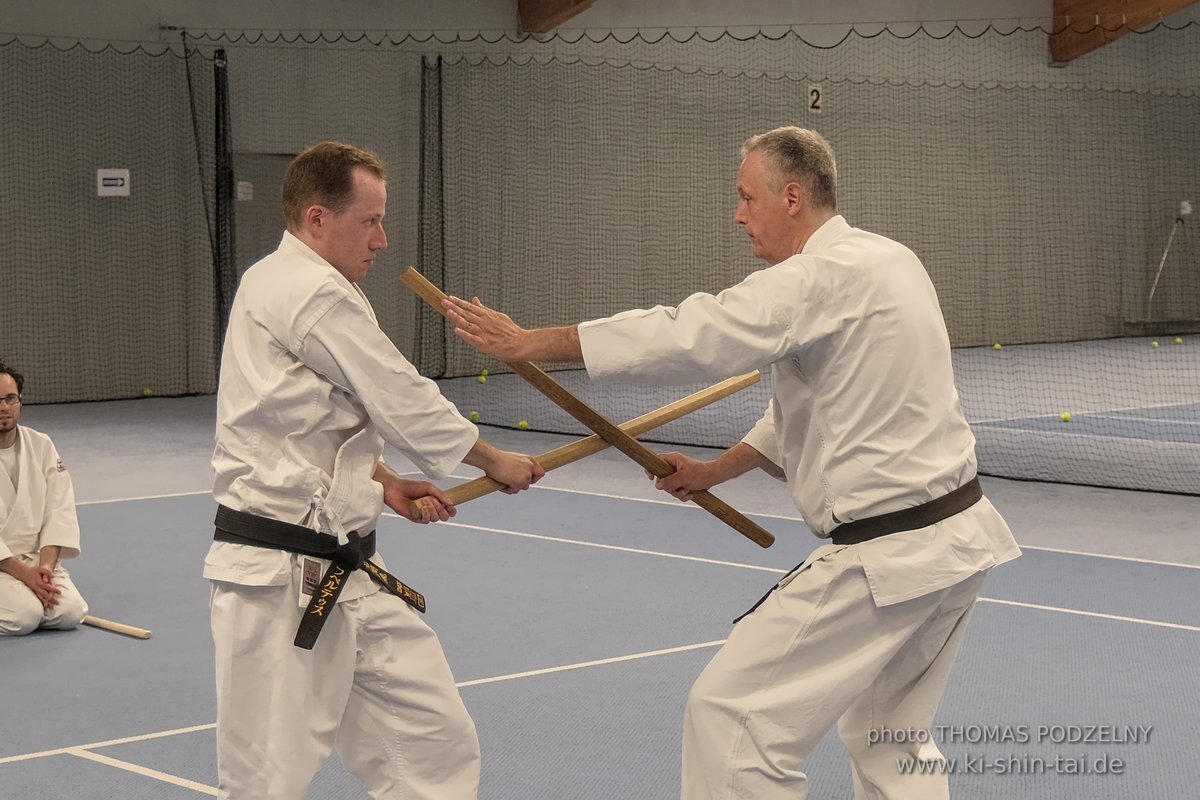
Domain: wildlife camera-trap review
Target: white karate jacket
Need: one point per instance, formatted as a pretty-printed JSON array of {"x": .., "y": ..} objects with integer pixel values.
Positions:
[
  {"x": 864, "y": 418},
  {"x": 310, "y": 388},
  {"x": 40, "y": 511}
]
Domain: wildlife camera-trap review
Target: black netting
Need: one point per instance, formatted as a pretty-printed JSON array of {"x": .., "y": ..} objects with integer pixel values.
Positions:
[
  {"x": 106, "y": 297},
  {"x": 1038, "y": 197},
  {"x": 572, "y": 176}
]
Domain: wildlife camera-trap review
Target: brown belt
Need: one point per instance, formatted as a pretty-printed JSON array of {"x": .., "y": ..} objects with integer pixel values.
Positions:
[{"x": 909, "y": 519}]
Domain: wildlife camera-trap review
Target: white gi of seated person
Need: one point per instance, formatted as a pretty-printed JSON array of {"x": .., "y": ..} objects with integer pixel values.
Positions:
[{"x": 38, "y": 525}]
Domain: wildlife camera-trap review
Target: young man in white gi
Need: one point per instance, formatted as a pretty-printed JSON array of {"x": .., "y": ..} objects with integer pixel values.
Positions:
[
  {"x": 866, "y": 428},
  {"x": 310, "y": 388},
  {"x": 38, "y": 526}
]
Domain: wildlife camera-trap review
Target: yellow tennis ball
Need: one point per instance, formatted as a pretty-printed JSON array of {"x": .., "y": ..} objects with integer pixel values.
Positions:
[
  {"x": 147, "y": 392},
  {"x": 1178, "y": 340},
  {"x": 484, "y": 372},
  {"x": 996, "y": 346},
  {"x": 473, "y": 416},
  {"x": 482, "y": 379},
  {"x": 523, "y": 425},
  {"x": 1154, "y": 344},
  {"x": 1066, "y": 416}
]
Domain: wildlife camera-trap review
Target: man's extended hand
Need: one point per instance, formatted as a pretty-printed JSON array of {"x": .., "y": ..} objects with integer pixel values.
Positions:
[
  {"x": 486, "y": 329},
  {"x": 494, "y": 333}
]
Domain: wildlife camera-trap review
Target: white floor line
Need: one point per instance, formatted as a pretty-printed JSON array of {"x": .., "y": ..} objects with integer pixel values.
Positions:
[
  {"x": 110, "y": 743},
  {"x": 783, "y": 571},
  {"x": 673, "y": 503},
  {"x": 146, "y": 772},
  {"x": 798, "y": 519},
  {"x": 596, "y": 663},
  {"x": 1098, "y": 412},
  {"x": 1096, "y": 614},
  {"x": 82, "y": 751},
  {"x": 618, "y": 548},
  {"x": 1114, "y": 558},
  {"x": 141, "y": 497}
]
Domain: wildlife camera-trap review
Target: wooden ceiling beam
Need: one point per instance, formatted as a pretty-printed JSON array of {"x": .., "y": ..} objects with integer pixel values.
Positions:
[
  {"x": 543, "y": 16},
  {"x": 1081, "y": 26}
]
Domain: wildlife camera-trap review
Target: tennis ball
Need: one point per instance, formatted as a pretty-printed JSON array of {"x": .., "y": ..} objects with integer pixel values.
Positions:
[
  {"x": 484, "y": 372},
  {"x": 1066, "y": 416},
  {"x": 147, "y": 392},
  {"x": 482, "y": 379},
  {"x": 1154, "y": 344},
  {"x": 996, "y": 346},
  {"x": 473, "y": 416},
  {"x": 523, "y": 425},
  {"x": 1178, "y": 340}
]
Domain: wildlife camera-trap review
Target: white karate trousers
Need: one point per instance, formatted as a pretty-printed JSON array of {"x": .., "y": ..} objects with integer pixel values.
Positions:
[
  {"x": 818, "y": 651},
  {"x": 376, "y": 688}
]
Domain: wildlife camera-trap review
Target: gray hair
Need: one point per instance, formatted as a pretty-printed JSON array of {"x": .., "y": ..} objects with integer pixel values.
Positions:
[{"x": 798, "y": 155}]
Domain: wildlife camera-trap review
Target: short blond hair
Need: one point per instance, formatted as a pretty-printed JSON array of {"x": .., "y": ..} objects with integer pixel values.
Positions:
[{"x": 324, "y": 175}]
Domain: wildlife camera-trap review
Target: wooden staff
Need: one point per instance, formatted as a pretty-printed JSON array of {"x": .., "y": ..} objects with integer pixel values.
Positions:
[
  {"x": 570, "y": 453},
  {"x": 116, "y": 627},
  {"x": 647, "y": 458}
]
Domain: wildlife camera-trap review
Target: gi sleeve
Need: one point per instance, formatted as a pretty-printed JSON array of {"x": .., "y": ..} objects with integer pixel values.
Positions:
[
  {"x": 706, "y": 337},
  {"x": 346, "y": 346},
  {"x": 60, "y": 523},
  {"x": 762, "y": 438}
]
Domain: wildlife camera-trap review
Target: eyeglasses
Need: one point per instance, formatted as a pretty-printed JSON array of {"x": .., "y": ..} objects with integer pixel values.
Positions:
[{"x": 10, "y": 400}]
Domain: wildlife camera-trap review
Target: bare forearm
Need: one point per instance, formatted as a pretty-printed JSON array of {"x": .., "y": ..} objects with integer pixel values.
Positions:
[
  {"x": 383, "y": 473},
  {"x": 737, "y": 460},
  {"x": 551, "y": 344},
  {"x": 483, "y": 455},
  {"x": 48, "y": 557}
]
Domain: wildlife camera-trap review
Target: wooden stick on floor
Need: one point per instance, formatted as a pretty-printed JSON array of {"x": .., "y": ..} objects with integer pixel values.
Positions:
[
  {"x": 116, "y": 627},
  {"x": 570, "y": 453},
  {"x": 581, "y": 411}
]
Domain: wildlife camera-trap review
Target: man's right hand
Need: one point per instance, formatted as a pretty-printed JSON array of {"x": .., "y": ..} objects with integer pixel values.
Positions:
[{"x": 516, "y": 471}]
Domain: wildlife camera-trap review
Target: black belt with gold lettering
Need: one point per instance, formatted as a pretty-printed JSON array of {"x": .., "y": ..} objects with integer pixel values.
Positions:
[
  {"x": 910, "y": 519},
  {"x": 240, "y": 527}
]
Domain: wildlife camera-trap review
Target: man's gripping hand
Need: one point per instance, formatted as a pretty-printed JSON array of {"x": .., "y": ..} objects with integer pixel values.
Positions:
[{"x": 400, "y": 494}]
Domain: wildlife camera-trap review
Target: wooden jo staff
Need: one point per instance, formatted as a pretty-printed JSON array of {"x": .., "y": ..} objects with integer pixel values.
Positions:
[
  {"x": 581, "y": 411},
  {"x": 116, "y": 627},
  {"x": 570, "y": 453}
]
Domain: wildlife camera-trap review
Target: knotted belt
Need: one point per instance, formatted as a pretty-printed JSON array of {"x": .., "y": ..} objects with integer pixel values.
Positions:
[
  {"x": 906, "y": 519},
  {"x": 240, "y": 527}
]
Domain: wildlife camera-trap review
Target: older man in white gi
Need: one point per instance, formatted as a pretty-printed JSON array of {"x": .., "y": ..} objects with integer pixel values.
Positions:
[
  {"x": 38, "y": 526},
  {"x": 310, "y": 388},
  {"x": 866, "y": 428}
]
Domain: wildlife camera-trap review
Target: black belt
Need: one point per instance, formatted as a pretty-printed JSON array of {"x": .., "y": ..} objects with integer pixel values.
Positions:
[
  {"x": 240, "y": 527},
  {"x": 909, "y": 519}
]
